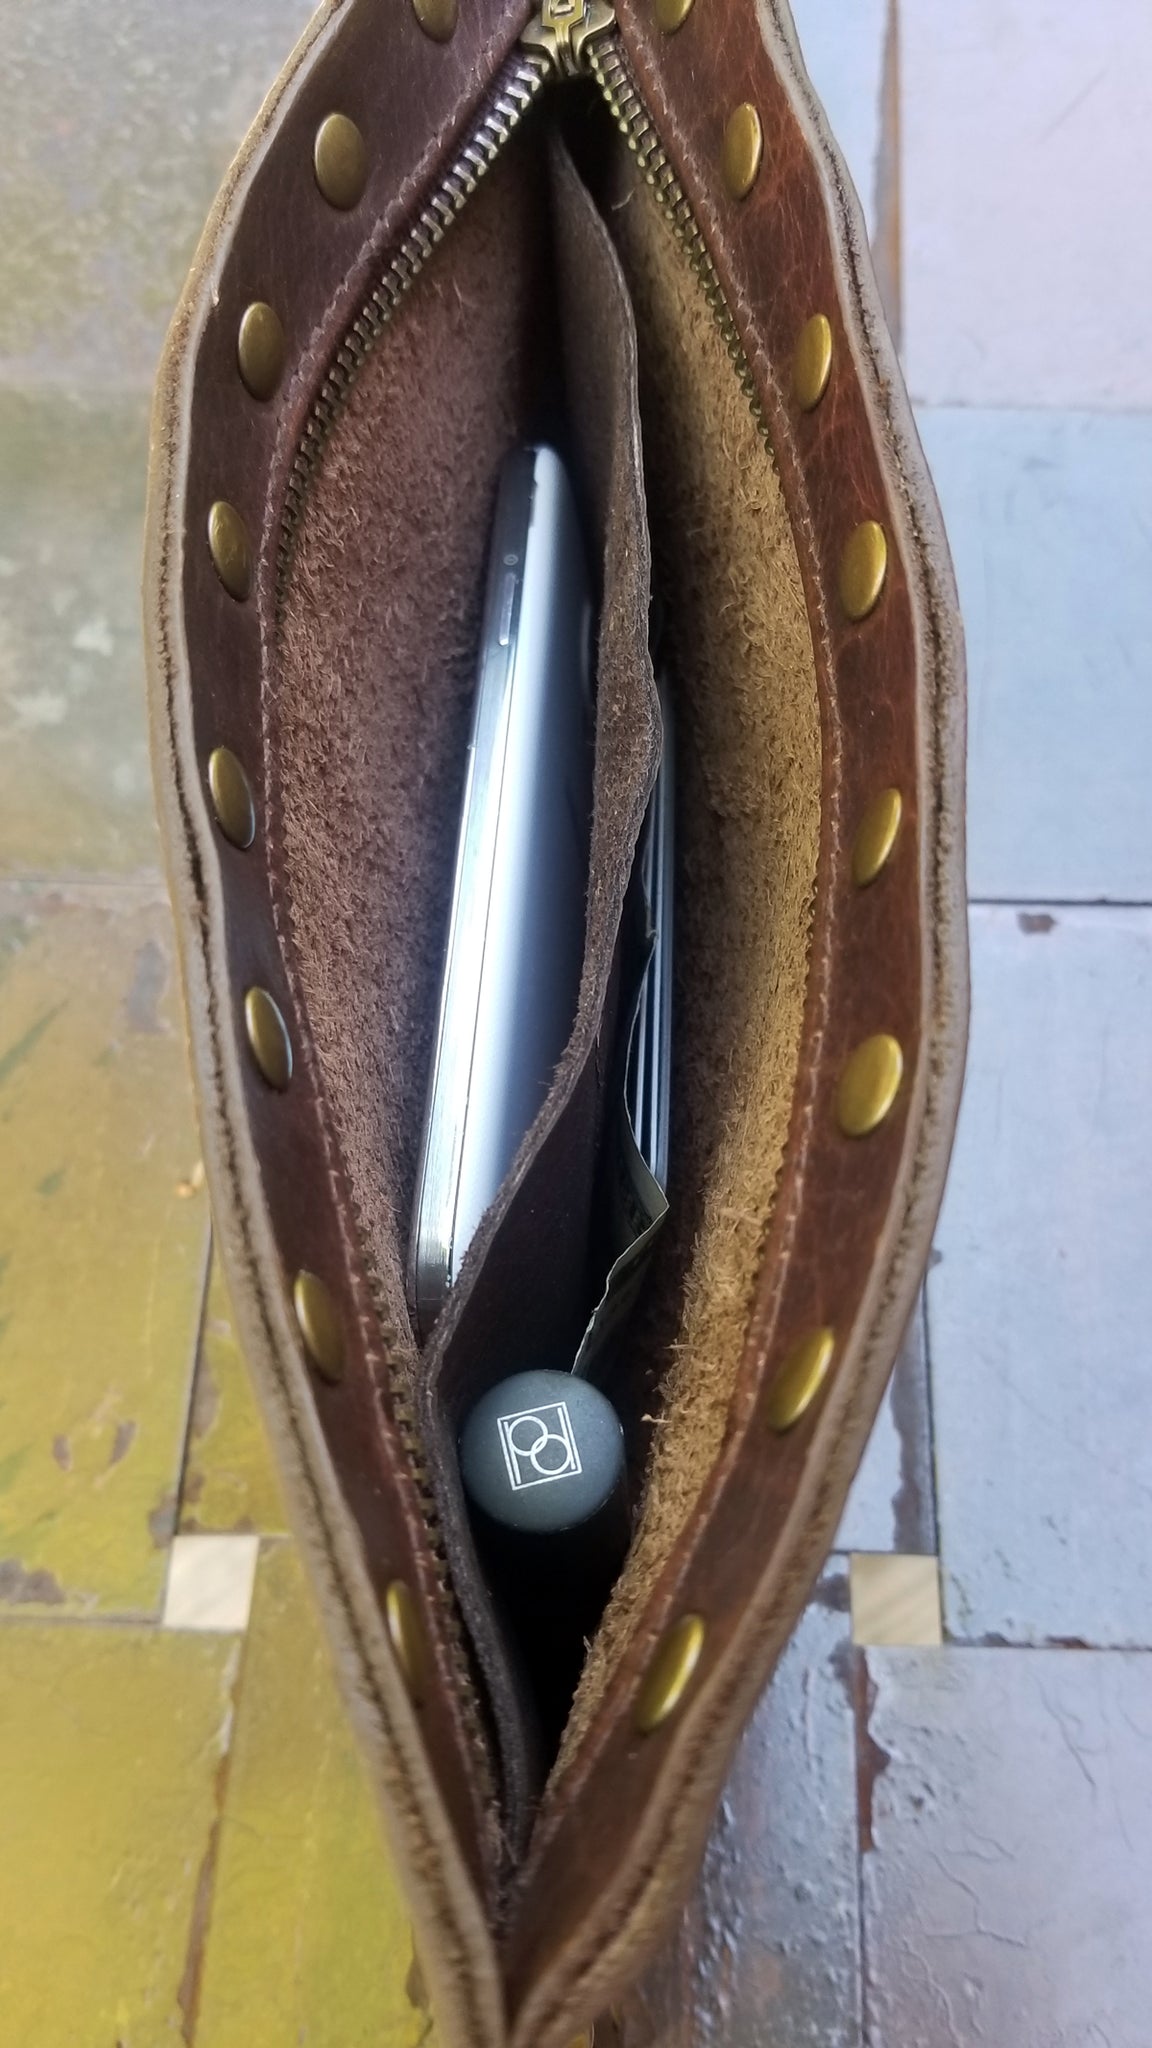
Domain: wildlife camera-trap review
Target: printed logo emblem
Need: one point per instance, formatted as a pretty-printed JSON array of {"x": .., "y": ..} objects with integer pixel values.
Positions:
[{"x": 538, "y": 1445}]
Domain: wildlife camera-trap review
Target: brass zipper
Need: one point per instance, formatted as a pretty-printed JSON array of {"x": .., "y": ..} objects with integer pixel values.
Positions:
[
  {"x": 516, "y": 88},
  {"x": 567, "y": 38},
  {"x": 608, "y": 65},
  {"x": 564, "y": 31}
]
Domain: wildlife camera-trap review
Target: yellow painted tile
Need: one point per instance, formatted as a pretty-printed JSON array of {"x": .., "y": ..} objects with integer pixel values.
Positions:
[
  {"x": 102, "y": 1254},
  {"x": 308, "y": 1941},
  {"x": 112, "y": 1741},
  {"x": 895, "y": 1600},
  {"x": 230, "y": 1481}
]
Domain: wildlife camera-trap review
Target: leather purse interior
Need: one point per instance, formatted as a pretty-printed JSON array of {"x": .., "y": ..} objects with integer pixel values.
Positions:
[
  {"x": 534, "y": 318},
  {"x": 502, "y": 255}
]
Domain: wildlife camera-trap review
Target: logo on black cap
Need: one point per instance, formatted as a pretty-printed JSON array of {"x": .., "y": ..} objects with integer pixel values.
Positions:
[{"x": 538, "y": 1445}]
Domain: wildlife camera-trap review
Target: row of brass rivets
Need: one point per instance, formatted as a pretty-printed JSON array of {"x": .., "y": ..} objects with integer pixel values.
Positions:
[
  {"x": 340, "y": 164},
  {"x": 871, "y": 1080}
]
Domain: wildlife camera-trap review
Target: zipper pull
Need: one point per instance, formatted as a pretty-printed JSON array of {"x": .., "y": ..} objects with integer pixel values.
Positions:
[{"x": 563, "y": 28}]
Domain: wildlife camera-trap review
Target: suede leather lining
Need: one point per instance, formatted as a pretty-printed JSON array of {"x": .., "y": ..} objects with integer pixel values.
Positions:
[
  {"x": 737, "y": 648},
  {"x": 370, "y": 718}
]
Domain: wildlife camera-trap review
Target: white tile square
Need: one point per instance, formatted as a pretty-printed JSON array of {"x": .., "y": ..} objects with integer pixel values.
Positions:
[
  {"x": 210, "y": 1582},
  {"x": 1040, "y": 1299},
  {"x": 895, "y": 1600},
  {"x": 1049, "y": 516},
  {"x": 1026, "y": 169},
  {"x": 843, "y": 50}
]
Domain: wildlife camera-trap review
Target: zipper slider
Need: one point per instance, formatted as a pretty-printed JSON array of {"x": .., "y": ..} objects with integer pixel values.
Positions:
[{"x": 563, "y": 28}]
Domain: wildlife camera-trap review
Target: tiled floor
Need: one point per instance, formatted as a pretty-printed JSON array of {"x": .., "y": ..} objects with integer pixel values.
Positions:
[{"x": 939, "y": 1829}]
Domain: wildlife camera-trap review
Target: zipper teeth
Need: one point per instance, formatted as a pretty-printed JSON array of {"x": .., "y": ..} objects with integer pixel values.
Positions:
[
  {"x": 514, "y": 93},
  {"x": 609, "y": 67}
]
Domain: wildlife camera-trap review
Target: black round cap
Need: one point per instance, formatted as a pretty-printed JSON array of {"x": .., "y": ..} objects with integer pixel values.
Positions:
[{"x": 542, "y": 1452}]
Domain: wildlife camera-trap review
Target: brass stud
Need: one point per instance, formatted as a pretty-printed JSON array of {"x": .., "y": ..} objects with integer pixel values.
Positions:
[
  {"x": 672, "y": 14},
  {"x": 230, "y": 549},
  {"x": 743, "y": 149},
  {"x": 876, "y": 836},
  {"x": 812, "y": 362},
  {"x": 268, "y": 1037},
  {"x": 407, "y": 1638},
  {"x": 231, "y": 794},
  {"x": 800, "y": 1379},
  {"x": 587, "y": 2038},
  {"x": 261, "y": 348},
  {"x": 319, "y": 1324},
  {"x": 437, "y": 18},
  {"x": 863, "y": 567},
  {"x": 869, "y": 1085},
  {"x": 668, "y": 1676},
  {"x": 341, "y": 161}
]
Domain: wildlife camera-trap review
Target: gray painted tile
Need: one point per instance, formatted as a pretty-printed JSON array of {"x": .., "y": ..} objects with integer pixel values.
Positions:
[
  {"x": 1049, "y": 516},
  {"x": 1008, "y": 1890},
  {"x": 1026, "y": 137},
  {"x": 891, "y": 1506},
  {"x": 844, "y": 55},
  {"x": 118, "y": 126},
  {"x": 1040, "y": 1303},
  {"x": 77, "y": 788},
  {"x": 768, "y": 1956}
]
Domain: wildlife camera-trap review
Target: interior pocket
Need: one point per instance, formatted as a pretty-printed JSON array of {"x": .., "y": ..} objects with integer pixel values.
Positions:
[{"x": 515, "y": 1287}]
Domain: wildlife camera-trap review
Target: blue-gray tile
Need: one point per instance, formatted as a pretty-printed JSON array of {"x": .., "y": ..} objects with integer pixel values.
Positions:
[
  {"x": 768, "y": 1955},
  {"x": 1040, "y": 1300},
  {"x": 118, "y": 126},
  {"x": 891, "y": 1504},
  {"x": 844, "y": 54},
  {"x": 1050, "y": 517},
  {"x": 1008, "y": 1889},
  {"x": 1026, "y": 149}
]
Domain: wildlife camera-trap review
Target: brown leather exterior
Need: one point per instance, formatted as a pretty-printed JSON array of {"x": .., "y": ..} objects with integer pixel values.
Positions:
[{"x": 852, "y": 1219}]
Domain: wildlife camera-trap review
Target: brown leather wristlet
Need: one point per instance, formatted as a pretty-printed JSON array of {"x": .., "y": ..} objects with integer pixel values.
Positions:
[{"x": 442, "y": 222}]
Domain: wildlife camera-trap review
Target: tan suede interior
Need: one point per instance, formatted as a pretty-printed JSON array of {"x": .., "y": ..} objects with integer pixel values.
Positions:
[
  {"x": 519, "y": 323},
  {"x": 738, "y": 652}
]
